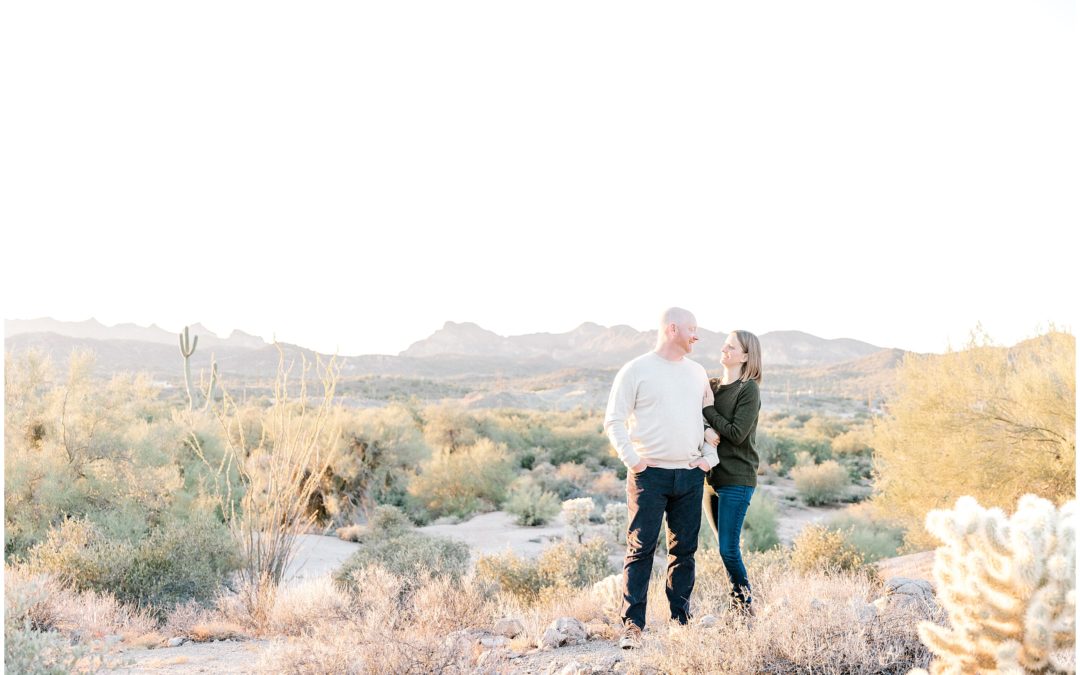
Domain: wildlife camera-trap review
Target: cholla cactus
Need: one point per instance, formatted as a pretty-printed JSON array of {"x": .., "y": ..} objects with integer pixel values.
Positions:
[
  {"x": 1009, "y": 587},
  {"x": 577, "y": 512},
  {"x": 615, "y": 515}
]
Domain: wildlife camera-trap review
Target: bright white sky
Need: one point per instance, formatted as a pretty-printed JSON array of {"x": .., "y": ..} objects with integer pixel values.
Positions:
[{"x": 350, "y": 175}]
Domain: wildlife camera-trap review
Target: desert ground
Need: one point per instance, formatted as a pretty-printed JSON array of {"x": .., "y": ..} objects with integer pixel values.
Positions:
[{"x": 320, "y": 555}]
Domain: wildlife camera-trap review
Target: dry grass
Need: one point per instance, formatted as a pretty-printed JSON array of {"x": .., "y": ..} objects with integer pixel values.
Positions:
[
  {"x": 85, "y": 615},
  {"x": 350, "y": 532},
  {"x": 303, "y": 608},
  {"x": 150, "y": 640},
  {"x": 395, "y": 625},
  {"x": 805, "y": 623}
]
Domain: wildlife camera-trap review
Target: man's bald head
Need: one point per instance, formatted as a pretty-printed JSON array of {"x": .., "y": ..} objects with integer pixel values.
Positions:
[
  {"x": 676, "y": 315},
  {"x": 677, "y": 334}
]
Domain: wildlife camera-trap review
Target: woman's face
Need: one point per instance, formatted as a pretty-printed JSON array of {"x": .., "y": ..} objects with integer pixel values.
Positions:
[{"x": 733, "y": 354}]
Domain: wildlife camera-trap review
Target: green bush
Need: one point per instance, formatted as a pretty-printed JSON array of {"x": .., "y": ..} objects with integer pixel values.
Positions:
[
  {"x": 409, "y": 555},
  {"x": 77, "y": 446},
  {"x": 778, "y": 451},
  {"x": 760, "y": 526},
  {"x": 874, "y": 538},
  {"x": 462, "y": 482},
  {"x": 574, "y": 436},
  {"x": 512, "y": 574},
  {"x": 821, "y": 484},
  {"x": 179, "y": 561},
  {"x": 377, "y": 455},
  {"x": 531, "y": 504},
  {"x": 563, "y": 565},
  {"x": 550, "y": 479},
  {"x": 858, "y": 467},
  {"x": 820, "y": 549},
  {"x": 388, "y": 521}
]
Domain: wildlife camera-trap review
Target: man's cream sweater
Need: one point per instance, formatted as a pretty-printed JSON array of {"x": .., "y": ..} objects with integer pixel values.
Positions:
[{"x": 654, "y": 412}]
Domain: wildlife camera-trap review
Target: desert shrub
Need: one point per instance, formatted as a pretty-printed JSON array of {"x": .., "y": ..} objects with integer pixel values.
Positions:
[
  {"x": 858, "y": 467},
  {"x": 30, "y": 647},
  {"x": 760, "y": 526},
  {"x": 819, "y": 549},
  {"x": 577, "y": 513},
  {"x": 857, "y": 441},
  {"x": 378, "y": 452},
  {"x": 409, "y": 555},
  {"x": 988, "y": 422},
  {"x": 776, "y": 450},
  {"x": 564, "y": 565},
  {"x": 459, "y": 483},
  {"x": 449, "y": 427},
  {"x": 578, "y": 475},
  {"x": 609, "y": 486},
  {"x": 875, "y": 538},
  {"x": 173, "y": 563},
  {"x": 80, "y": 447},
  {"x": 820, "y": 427},
  {"x": 821, "y": 484},
  {"x": 818, "y": 448},
  {"x": 574, "y": 436},
  {"x": 530, "y": 503},
  {"x": 547, "y": 477},
  {"x": 513, "y": 574},
  {"x": 388, "y": 521},
  {"x": 575, "y": 565}
]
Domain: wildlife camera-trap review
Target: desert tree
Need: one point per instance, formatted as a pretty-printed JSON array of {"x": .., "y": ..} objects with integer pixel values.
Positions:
[{"x": 988, "y": 422}]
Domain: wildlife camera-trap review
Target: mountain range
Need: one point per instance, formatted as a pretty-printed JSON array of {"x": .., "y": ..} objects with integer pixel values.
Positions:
[
  {"x": 460, "y": 360},
  {"x": 589, "y": 345}
]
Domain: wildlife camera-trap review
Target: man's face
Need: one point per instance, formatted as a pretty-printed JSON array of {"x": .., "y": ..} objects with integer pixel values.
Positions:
[{"x": 685, "y": 334}]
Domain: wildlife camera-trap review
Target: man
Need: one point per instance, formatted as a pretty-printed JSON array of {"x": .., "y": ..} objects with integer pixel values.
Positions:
[{"x": 654, "y": 422}]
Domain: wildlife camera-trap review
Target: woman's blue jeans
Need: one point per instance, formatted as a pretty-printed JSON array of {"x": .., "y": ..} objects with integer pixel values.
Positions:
[{"x": 726, "y": 509}]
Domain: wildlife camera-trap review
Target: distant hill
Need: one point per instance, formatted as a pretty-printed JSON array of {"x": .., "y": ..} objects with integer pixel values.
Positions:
[
  {"x": 467, "y": 362},
  {"x": 94, "y": 330},
  {"x": 591, "y": 345}
]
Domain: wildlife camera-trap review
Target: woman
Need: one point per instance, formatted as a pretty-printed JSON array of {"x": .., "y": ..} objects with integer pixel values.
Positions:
[{"x": 730, "y": 484}]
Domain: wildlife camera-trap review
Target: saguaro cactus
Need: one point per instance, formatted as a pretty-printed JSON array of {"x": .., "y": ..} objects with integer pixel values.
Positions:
[
  {"x": 187, "y": 348},
  {"x": 1009, "y": 587}
]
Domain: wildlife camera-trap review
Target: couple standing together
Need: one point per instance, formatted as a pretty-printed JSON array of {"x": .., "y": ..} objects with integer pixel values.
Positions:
[{"x": 676, "y": 432}]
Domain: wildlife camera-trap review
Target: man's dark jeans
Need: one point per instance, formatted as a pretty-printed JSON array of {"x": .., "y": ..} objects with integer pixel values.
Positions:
[{"x": 649, "y": 496}]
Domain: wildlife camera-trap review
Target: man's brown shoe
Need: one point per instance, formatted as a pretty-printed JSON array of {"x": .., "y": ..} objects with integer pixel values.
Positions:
[{"x": 631, "y": 637}]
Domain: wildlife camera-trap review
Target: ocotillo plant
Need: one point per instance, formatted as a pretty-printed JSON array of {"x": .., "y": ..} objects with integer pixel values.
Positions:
[
  {"x": 1008, "y": 585},
  {"x": 187, "y": 348}
]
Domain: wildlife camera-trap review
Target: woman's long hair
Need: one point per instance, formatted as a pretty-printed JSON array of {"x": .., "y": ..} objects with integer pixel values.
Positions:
[{"x": 752, "y": 346}]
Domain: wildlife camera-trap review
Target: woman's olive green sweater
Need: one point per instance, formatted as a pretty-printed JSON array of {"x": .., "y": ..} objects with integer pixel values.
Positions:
[{"x": 734, "y": 416}]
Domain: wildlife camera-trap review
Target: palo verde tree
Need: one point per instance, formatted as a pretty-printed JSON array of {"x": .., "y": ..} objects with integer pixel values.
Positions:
[{"x": 989, "y": 422}]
